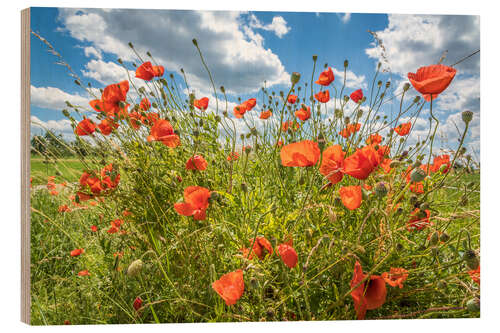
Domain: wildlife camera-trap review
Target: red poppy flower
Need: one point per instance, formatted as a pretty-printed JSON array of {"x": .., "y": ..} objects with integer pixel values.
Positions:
[
  {"x": 113, "y": 99},
  {"x": 386, "y": 165},
  {"x": 374, "y": 139},
  {"x": 350, "y": 129},
  {"x": 322, "y": 96},
  {"x": 197, "y": 162},
  {"x": 135, "y": 119},
  {"x": 85, "y": 127},
  {"x": 370, "y": 294},
  {"x": 250, "y": 103},
  {"x": 84, "y": 273},
  {"x": 289, "y": 124},
  {"x": 239, "y": 110},
  {"x": 150, "y": 119},
  {"x": 93, "y": 228},
  {"x": 419, "y": 221},
  {"x": 110, "y": 177},
  {"x": 63, "y": 209},
  {"x": 415, "y": 187},
  {"x": 351, "y": 196},
  {"x": 439, "y": 161},
  {"x": 201, "y": 104},
  {"x": 261, "y": 247},
  {"x": 230, "y": 286},
  {"x": 233, "y": 156},
  {"x": 107, "y": 125},
  {"x": 147, "y": 72},
  {"x": 360, "y": 164},
  {"x": 403, "y": 129},
  {"x": 332, "y": 164},
  {"x": 76, "y": 252},
  {"x": 432, "y": 80},
  {"x": 326, "y": 77},
  {"x": 288, "y": 255},
  {"x": 357, "y": 95},
  {"x": 475, "y": 274},
  {"x": 195, "y": 202},
  {"x": 300, "y": 154},
  {"x": 164, "y": 132},
  {"x": 395, "y": 277},
  {"x": 292, "y": 99},
  {"x": 145, "y": 104},
  {"x": 265, "y": 114},
  {"x": 137, "y": 303},
  {"x": 303, "y": 113}
]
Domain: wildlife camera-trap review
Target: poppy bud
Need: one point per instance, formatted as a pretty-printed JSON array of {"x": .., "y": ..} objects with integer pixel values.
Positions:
[
  {"x": 444, "y": 237},
  {"x": 394, "y": 164},
  {"x": 135, "y": 267},
  {"x": 302, "y": 180},
  {"x": 379, "y": 64},
  {"x": 360, "y": 113},
  {"x": 379, "y": 83},
  {"x": 473, "y": 305},
  {"x": 225, "y": 114},
  {"x": 346, "y": 63},
  {"x": 315, "y": 57},
  {"x": 364, "y": 194},
  {"x": 295, "y": 78},
  {"x": 244, "y": 187},
  {"x": 201, "y": 122},
  {"x": 217, "y": 119},
  {"x": 413, "y": 200},
  {"x": 346, "y": 98},
  {"x": 471, "y": 259},
  {"x": 406, "y": 86},
  {"x": 388, "y": 84},
  {"x": 381, "y": 189},
  {"x": 417, "y": 175},
  {"x": 78, "y": 83},
  {"x": 337, "y": 201},
  {"x": 222, "y": 89},
  {"x": 347, "y": 120},
  {"x": 467, "y": 116},
  {"x": 338, "y": 113},
  {"x": 399, "y": 247},
  {"x": 195, "y": 42},
  {"x": 130, "y": 45},
  {"x": 435, "y": 251},
  {"x": 434, "y": 238}
]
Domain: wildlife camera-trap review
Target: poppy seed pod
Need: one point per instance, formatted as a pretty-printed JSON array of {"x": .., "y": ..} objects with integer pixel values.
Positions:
[
  {"x": 467, "y": 116},
  {"x": 346, "y": 63},
  {"x": 406, "y": 86},
  {"x": 244, "y": 187},
  {"x": 195, "y": 42},
  {"x": 315, "y": 57},
  {"x": 394, "y": 164},
  {"x": 434, "y": 238},
  {"x": 135, "y": 267},
  {"x": 381, "y": 189},
  {"x": 471, "y": 259},
  {"x": 413, "y": 200},
  {"x": 417, "y": 175},
  {"x": 295, "y": 78},
  {"x": 338, "y": 113}
]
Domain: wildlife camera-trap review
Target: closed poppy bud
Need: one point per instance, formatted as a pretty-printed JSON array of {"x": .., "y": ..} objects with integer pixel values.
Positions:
[
  {"x": 434, "y": 238},
  {"x": 467, "y": 116},
  {"x": 471, "y": 259},
  {"x": 137, "y": 303},
  {"x": 135, "y": 267},
  {"x": 295, "y": 78},
  {"x": 413, "y": 200},
  {"x": 195, "y": 42},
  {"x": 65, "y": 113},
  {"x": 406, "y": 86},
  {"x": 346, "y": 63},
  {"x": 473, "y": 305},
  {"x": 417, "y": 175},
  {"x": 444, "y": 237},
  {"x": 244, "y": 187}
]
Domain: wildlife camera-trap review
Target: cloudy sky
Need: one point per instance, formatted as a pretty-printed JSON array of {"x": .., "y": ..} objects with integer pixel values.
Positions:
[{"x": 244, "y": 49}]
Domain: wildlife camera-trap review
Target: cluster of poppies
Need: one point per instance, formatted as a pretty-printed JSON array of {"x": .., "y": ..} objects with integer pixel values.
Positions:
[{"x": 93, "y": 184}]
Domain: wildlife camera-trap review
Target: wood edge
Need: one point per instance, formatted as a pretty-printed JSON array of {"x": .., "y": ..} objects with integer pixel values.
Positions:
[{"x": 25, "y": 166}]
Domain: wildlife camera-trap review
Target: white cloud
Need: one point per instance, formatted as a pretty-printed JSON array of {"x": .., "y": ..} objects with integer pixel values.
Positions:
[
  {"x": 345, "y": 18},
  {"x": 278, "y": 25},
  {"x": 54, "y": 98},
  {"x": 105, "y": 72},
  {"x": 91, "y": 51},
  {"x": 59, "y": 126},
  {"x": 237, "y": 59},
  {"x": 352, "y": 80}
]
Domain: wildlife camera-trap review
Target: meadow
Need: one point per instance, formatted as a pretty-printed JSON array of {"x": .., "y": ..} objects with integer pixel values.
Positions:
[{"x": 314, "y": 213}]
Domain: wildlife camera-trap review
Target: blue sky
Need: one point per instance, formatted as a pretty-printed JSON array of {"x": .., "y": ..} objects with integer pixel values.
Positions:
[{"x": 244, "y": 48}]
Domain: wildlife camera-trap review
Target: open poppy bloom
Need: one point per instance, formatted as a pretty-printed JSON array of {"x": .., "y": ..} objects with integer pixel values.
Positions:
[
  {"x": 240, "y": 110},
  {"x": 326, "y": 77},
  {"x": 386, "y": 165},
  {"x": 250, "y": 103},
  {"x": 64, "y": 209},
  {"x": 265, "y": 114},
  {"x": 439, "y": 161},
  {"x": 357, "y": 95},
  {"x": 197, "y": 162},
  {"x": 145, "y": 104},
  {"x": 233, "y": 156},
  {"x": 110, "y": 177},
  {"x": 395, "y": 277},
  {"x": 370, "y": 294},
  {"x": 85, "y": 127},
  {"x": 289, "y": 124},
  {"x": 84, "y": 273},
  {"x": 76, "y": 252},
  {"x": 150, "y": 119},
  {"x": 419, "y": 220},
  {"x": 195, "y": 202},
  {"x": 288, "y": 255},
  {"x": 361, "y": 164},
  {"x": 164, "y": 132},
  {"x": 332, "y": 164},
  {"x": 351, "y": 196},
  {"x": 107, "y": 125},
  {"x": 292, "y": 99},
  {"x": 303, "y": 113},
  {"x": 113, "y": 100},
  {"x": 322, "y": 96},
  {"x": 137, "y": 303},
  {"x": 93, "y": 228},
  {"x": 403, "y": 129},
  {"x": 350, "y": 129},
  {"x": 475, "y": 274},
  {"x": 261, "y": 247},
  {"x": 147, "y": 71},
  {"x": 135, "y": 119},
  {"x": 230, "y": 286},
  {"x": 300, "y": 154},
  {"x": 201, "y": 103},
  {"x": 374, "y": 139},
  {"x": 432, "y": 80}
]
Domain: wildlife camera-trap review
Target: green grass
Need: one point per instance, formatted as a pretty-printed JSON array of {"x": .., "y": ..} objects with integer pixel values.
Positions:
[{"x": 65, "y": 169}]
